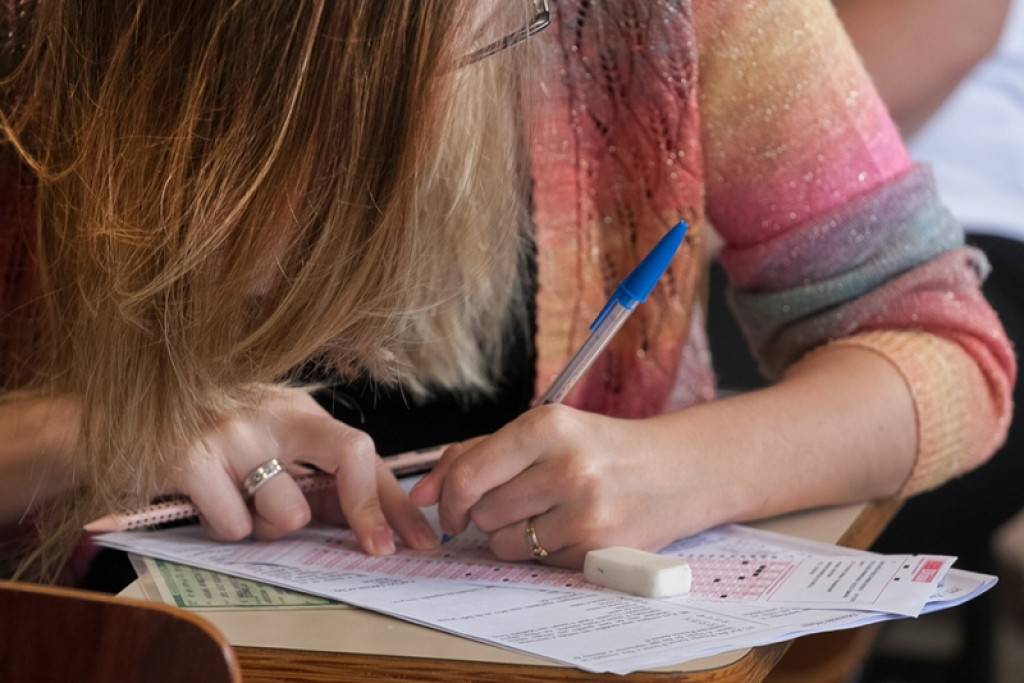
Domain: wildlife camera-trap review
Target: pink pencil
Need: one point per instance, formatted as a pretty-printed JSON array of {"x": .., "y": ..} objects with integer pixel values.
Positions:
[{"x": 183, "y": 508}]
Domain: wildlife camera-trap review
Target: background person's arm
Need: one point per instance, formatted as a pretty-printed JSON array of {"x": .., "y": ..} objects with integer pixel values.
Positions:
[{"x": 917, "y": 51}]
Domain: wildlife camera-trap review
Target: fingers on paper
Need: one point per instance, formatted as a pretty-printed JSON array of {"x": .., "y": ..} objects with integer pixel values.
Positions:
[
  {"x": 326, "y": 507},
  {"x": 223, "y": 510},
  {"x": 477, "y": 471},
  {"x": 279, "y": 507},
  {"x": 563, "y": 526},
  {"x": 406, "y": 518},
  {"x": 356, "y": 473},
  {"x": 427, "y": 491},
  {"x": 512, "y": 542}
]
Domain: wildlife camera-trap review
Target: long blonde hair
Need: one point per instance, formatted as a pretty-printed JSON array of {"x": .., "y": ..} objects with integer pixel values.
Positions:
[{"x": 227, "y": 189}]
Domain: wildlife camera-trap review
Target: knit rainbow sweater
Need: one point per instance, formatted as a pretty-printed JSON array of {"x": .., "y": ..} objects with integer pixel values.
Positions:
[{"x": 756, "y": 118}]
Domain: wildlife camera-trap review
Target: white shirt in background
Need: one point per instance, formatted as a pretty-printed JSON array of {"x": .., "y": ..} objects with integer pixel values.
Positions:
[{"x": 975, "y": 141}]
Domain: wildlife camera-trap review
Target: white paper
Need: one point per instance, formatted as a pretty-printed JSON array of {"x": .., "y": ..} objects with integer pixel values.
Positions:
[{"x": 750, "y": 588}]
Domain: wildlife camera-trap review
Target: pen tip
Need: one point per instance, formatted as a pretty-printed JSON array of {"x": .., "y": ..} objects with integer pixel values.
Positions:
[{"x": 445, "y": 538}]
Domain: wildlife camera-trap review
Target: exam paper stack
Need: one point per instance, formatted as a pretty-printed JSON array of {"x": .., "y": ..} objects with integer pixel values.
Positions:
[{"x": 750, "y": 587}]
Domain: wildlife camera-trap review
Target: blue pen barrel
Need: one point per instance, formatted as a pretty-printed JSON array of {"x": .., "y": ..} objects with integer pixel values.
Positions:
[
  {"x": 630, "y": 292},
  {"x": 600, "y": 335}
]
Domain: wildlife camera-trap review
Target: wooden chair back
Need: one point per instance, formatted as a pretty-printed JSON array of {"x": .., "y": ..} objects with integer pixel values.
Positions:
[{"x": 75, "y": 636}]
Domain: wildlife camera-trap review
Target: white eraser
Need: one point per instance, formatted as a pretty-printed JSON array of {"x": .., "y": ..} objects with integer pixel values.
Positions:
[{"x": 637, "y": 571}]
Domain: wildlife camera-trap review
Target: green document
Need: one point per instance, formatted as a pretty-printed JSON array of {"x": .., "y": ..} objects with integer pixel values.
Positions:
[{"x": 186, "y": 586}]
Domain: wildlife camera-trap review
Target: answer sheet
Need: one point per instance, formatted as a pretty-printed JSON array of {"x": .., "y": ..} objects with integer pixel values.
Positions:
[{"x": 750, "y": 587}]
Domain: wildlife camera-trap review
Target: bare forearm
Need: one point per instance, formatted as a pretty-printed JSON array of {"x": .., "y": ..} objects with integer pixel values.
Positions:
[
  {"x": 36, "y": 461},
  {"x": 917, "y": 51},
  {"x": 839, "y": 428}
]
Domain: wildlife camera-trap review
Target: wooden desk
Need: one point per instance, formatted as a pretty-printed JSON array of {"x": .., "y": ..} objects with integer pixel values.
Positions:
[{"x": 376, "y": 647}]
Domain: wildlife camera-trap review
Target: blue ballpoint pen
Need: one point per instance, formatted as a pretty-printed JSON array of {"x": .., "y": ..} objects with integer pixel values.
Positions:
[{"x": 631, "y": 291}]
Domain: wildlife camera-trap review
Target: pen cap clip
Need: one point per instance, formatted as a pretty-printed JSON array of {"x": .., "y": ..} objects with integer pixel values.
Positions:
[{"x": 639, "y": 283}]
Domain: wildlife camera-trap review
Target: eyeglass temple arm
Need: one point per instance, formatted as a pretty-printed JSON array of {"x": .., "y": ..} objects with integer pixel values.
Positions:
[{"x": 540, "y": 21}]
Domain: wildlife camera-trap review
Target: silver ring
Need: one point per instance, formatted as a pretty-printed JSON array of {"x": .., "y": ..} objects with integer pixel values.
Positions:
[
  {"x": 536, "y": 549},
  {"x": 260, "y": 476}
]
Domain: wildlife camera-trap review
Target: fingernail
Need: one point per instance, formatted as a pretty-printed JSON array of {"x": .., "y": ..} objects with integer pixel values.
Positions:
[{"x": 383, "y": 541}]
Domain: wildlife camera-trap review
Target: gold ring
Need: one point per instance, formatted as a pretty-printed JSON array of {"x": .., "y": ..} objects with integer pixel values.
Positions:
[
  {"x": 536, "y": 549},
  {"x": 261, "y": 475}
]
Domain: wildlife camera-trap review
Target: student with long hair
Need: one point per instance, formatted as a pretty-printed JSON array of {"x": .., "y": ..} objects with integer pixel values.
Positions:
[{"x": 214, "y": 208}]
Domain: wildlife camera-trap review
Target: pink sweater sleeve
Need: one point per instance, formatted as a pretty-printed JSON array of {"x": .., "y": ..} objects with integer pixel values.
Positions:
[{"x": 832, "y": 236}]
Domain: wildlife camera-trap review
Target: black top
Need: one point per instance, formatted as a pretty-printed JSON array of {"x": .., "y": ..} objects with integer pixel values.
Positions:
[{"x": 398, "y": 423}]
